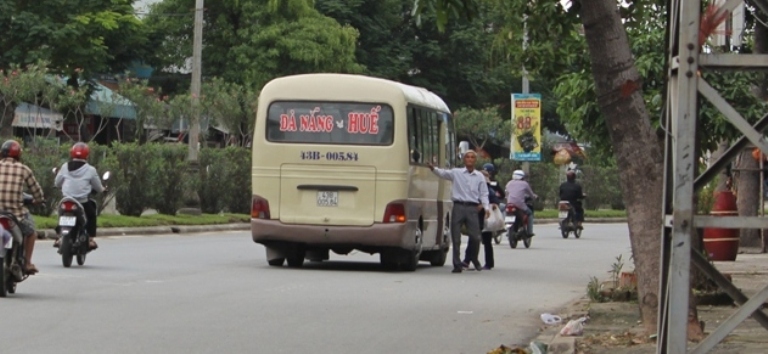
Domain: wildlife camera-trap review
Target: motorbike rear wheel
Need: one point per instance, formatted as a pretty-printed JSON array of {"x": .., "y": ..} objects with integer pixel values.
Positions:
[
  {"x": 564, "y": 228},
  {"x": 512, "y": 236},
  {"x": 66, "y": 251},
  {"x": 577, "y": 233},
  {"x": 527, "y": 242},
  {"x": 81, "y": 259}
]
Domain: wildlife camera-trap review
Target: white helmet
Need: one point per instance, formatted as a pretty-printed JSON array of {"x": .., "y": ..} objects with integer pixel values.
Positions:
[{"x": 518, "y": 175}]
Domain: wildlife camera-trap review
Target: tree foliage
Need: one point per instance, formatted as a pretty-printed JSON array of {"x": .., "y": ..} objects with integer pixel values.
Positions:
[
  {"x": 95, "y": 36},
  {"x": 249, "y": 42},
  {"x": 231, "y": 106},
  {"x": 482, "y": 126}
]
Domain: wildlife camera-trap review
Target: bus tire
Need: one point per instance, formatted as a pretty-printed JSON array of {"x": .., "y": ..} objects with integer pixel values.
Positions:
[
  {"x": 409, "y": 260},
  {"x": 296, "y": 260},
  {"x": 439, "y": 257},
  {"x": 277, "y": 262},
  {"x": 388, "y": 260}
]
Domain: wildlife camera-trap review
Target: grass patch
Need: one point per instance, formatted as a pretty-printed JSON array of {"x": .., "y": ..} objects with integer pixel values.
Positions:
[
  {"x": 108, "y": 220},
  {"x": 602, "y": 213}
]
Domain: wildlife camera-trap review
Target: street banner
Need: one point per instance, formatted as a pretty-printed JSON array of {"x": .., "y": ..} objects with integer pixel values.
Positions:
[{"x": 526, "y": 127}]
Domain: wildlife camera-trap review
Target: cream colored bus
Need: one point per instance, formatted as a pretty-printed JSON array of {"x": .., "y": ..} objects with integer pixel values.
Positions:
[{"x": 340, "y": 164}]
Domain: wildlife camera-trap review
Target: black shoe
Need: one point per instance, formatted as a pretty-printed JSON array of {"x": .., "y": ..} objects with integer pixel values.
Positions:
[
  {"x": 478, "y": 267},
  {"x": 456, "y": 270}
]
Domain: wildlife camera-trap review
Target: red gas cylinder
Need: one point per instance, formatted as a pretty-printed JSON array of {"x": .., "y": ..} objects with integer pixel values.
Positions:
[{"x": 722, "y": 244}]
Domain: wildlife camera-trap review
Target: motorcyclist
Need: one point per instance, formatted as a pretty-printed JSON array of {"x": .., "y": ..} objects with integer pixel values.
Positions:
[
  {"x": 77, "y": 179},
  {"x": 571, "y": 191},
  {"x": 14, "y": 176},
  {"x": 518, "y": 190}
]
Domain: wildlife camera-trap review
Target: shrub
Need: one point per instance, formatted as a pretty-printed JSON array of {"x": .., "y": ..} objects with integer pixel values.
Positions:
[
  {"x": 41, "y": 156},
  {"x": 168, "y": 168},
  {"x": 225, "y": 180},
  {"x": 135, "y": 189}
]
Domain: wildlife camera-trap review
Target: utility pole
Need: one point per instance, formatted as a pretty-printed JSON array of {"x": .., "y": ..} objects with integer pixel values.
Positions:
[
  {"x": 197, "y": 52},
  {"x": 191, "y": 198},
  {"x": 526, "y": 86}
]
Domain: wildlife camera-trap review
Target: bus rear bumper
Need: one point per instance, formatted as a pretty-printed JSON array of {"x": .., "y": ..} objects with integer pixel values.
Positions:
[{"x": 376, "y": 235}]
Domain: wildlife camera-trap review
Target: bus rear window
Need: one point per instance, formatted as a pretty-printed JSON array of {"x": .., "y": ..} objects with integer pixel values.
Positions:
[{"x": 330, "y": 123}]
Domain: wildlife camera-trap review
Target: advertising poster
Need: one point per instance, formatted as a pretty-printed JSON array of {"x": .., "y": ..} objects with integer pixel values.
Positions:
[{"x": 526, "y": 127}]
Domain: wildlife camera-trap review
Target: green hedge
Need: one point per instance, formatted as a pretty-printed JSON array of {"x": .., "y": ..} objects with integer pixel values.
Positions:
[{"x": 151, "y": 176}]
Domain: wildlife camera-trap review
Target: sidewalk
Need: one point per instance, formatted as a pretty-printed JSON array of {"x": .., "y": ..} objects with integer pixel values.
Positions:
[{"x": 614, "y": 327}]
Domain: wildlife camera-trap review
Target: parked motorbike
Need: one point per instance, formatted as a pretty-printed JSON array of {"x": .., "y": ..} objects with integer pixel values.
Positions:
[
  {"x": 566, "y": 214},
  {"x": 71, "y": 230},
  {"x": 12, "y": 255},
  {"x": 516, "y": 223}
]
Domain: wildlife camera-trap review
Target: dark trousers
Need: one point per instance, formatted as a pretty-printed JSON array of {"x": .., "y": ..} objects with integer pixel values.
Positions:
[
  {"x": 578, "y": 210},
  {"x": 487, "y": 239},
  {"x": 465, "y": 215},
  {"x": 90, "y": 210}
]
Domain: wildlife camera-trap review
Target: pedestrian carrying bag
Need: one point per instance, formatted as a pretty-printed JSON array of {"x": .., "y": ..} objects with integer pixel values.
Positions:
[{"x": 495, "y": 222}]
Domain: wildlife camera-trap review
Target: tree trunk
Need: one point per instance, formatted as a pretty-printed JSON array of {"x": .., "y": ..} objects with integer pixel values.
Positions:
[
  {"x": 638, "y": 150},
  {"x": 748, "y": 195},
  {"x": 6, "y": 120}
]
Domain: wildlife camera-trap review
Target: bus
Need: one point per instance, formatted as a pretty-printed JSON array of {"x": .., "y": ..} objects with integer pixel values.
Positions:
[{"x": 340, "y": 163}]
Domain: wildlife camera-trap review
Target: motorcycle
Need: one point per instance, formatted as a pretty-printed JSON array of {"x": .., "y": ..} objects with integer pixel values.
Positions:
[
  {"x": 71, "y": 230},
  {"x": 566, "y": 214},
  {"x": 12, "y": 255},
  {"x": 518, "y": 232}
]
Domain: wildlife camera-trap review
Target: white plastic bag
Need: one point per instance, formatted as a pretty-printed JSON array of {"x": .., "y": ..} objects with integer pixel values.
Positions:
[
  {"x": 574, "y": 327},
  {"x": 494, "y": 222},
  {"x": 551, "y": 319}
]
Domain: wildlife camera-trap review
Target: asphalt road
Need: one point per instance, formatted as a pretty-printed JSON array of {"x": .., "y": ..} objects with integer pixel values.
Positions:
[{"x": 215, "y": 293}]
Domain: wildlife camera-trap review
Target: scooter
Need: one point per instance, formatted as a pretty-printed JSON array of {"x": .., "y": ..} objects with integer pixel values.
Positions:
[
  {"x": 566, "y": 214},
  {"x": 12, "y": 254},
  {"x": 516, "y": 223},
  {"x": 71, "y": 230}
]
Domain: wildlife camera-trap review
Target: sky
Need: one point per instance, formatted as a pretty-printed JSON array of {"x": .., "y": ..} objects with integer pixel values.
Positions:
[{"x": 141, "y": 5}]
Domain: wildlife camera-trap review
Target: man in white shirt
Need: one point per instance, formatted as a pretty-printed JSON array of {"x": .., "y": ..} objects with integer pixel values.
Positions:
[{"x": 470, "y": 194}]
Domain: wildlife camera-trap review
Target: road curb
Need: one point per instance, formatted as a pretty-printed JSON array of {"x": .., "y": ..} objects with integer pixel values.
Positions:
[
  {"x": 188, "y": 229},
  {"x": 171, "y": 229},
  {"x": 586, "y": 221}
]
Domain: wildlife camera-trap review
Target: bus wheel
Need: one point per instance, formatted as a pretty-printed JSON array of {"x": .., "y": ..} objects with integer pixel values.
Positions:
[
  {"x": 439, "y": 257},
  {"x": 409, "y": 260},
  {"x": 277, "y": 262},
  {"x": 388, "y": 260},
  {"x": 296, "y": 258}
]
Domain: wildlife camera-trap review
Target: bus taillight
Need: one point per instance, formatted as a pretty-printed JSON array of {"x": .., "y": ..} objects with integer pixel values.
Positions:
[
  {"x": 259, "y": 208},
  {"x": 395, "y": 213}
]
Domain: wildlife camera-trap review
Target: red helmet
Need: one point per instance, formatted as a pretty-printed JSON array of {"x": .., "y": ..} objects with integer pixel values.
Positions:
[
  {"x": 79, "y": 151},
  {"x": 11, "y": 148}
]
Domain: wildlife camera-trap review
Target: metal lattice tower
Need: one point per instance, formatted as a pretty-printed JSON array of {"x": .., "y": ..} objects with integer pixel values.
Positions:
[{"x": 682, "y": 181}]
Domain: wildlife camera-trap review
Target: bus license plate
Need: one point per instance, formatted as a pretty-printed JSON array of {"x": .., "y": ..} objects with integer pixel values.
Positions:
[
  {"x": 67, "y": 221},
  {"x": 563, "y": 214},
  {"x": 327, "y": 199}
]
